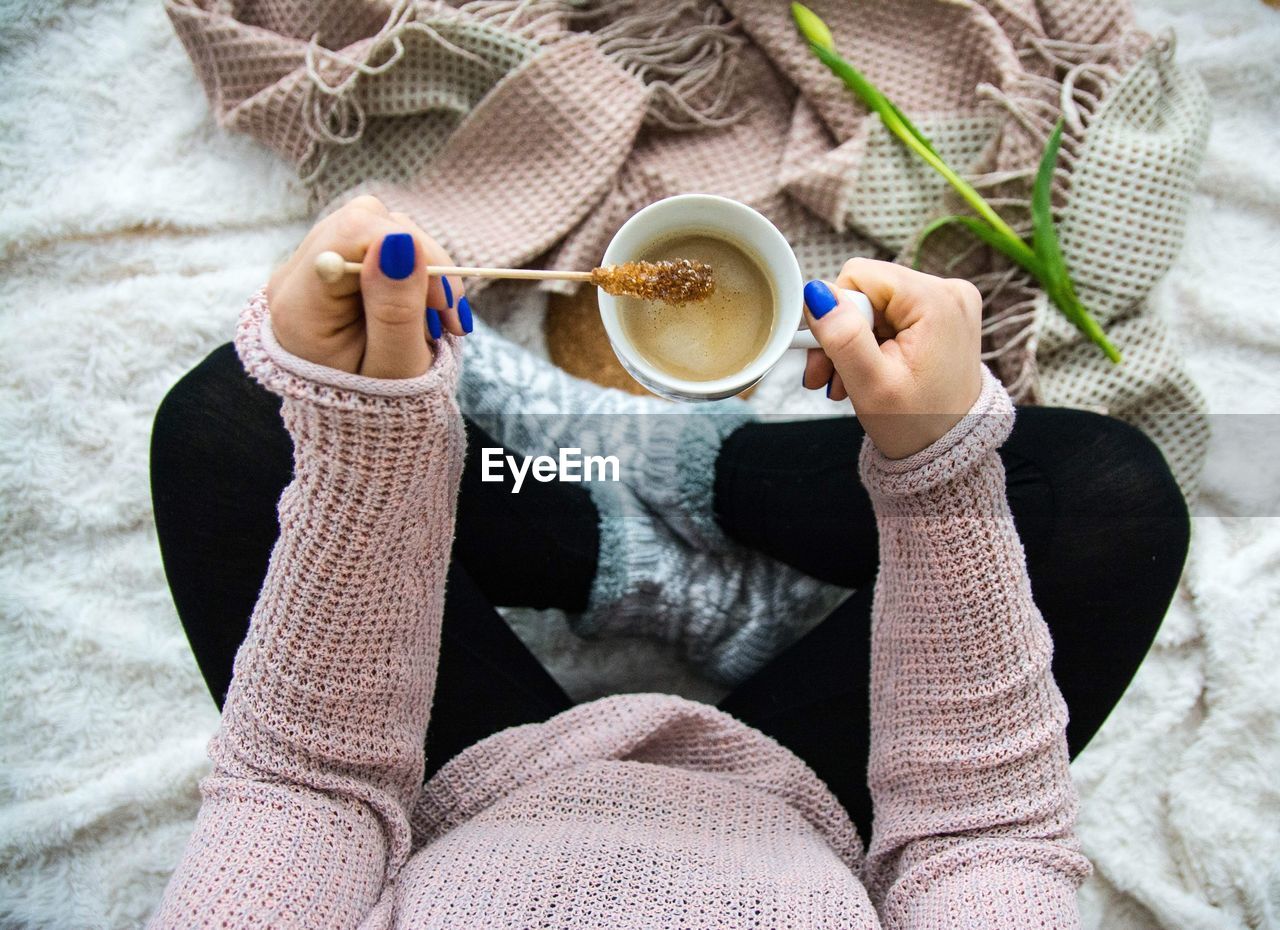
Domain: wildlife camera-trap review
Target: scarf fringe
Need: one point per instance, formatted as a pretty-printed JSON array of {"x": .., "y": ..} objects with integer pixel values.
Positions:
[
  {"x": 1079, "y": 77},
  {"x": 683, "y": 52},
  {"x": 332, "y": 116},
  {"x": 1083, "y": 74}
]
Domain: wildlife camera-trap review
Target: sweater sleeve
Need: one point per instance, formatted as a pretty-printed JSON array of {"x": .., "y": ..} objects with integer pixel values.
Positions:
[
  {"x": 974, "y": 805},
  {"x": 304, "y": 819}
]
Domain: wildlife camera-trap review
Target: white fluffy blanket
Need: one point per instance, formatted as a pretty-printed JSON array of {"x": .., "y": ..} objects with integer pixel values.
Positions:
[{"x": 131, "y": 230}]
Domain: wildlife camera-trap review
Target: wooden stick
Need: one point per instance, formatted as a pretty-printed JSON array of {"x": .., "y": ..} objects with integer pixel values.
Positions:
[{"x": 332, "y": 267}]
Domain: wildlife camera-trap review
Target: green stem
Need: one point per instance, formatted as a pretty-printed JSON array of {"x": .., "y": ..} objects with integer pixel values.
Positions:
[
  {"x": 1025, "y": 256},
  {"x": 1016, "y": 248}
]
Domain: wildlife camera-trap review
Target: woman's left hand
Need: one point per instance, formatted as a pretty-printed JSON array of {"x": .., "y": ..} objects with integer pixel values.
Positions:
[{"x": 374, "y": 324}]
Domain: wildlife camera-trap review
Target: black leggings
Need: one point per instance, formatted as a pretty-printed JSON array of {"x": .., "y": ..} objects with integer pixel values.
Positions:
[{"x": 1104, "y": 527}]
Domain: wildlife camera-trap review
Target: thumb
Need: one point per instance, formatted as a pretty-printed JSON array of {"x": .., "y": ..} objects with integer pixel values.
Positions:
[
  {"x": 841, "y": 322},
  {"x": 393, "y": 286}
]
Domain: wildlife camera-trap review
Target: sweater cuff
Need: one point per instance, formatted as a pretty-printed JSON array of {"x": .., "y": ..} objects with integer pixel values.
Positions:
[
  {"x": 980, "y": 431},
  {"x": 284, "y": 373}
]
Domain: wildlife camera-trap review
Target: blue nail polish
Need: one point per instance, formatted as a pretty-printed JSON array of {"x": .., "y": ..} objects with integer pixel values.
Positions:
[
  {"x": 396, "y": 256},
  {"x": 433, "y": 324},
  {"x": 464, "y": 315},
  {"x": 829, "y": 383},
  {"x": 448, "y": 292},
  {"x": 819, "y": 299}
]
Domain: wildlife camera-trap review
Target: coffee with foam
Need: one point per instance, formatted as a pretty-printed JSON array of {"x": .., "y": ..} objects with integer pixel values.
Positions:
[{"x": 707, "y": 339}]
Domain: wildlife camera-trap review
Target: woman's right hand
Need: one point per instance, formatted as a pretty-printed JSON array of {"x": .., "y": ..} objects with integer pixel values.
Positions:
[
  {"x": 373, "y": 324},
  {"x": 924, "y": 373}
]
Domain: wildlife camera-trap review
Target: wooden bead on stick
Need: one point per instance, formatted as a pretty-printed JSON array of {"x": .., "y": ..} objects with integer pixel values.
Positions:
[{"x": 332, "y": 267}]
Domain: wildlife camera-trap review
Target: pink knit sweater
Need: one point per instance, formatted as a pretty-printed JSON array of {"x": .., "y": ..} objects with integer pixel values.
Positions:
[{"x": 638, "y": 810}]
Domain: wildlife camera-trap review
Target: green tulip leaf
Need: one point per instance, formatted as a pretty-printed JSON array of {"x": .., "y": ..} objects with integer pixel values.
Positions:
[
  {"x": 983, "y": 231},
  {"x": 1042, "y": 257},
  {"x": 1044, "y": 240}
]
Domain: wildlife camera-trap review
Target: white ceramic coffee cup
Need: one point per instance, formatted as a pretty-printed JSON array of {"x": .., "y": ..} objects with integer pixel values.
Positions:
[{"x": 739, "y": 224}]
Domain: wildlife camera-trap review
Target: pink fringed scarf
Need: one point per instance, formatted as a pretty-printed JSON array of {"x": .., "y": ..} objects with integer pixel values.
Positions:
[{"x": 526, "y": 131}]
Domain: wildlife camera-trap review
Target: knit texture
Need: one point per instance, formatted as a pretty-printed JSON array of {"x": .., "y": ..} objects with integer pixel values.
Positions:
[
  {"x": 665, "y": 571},
  {"x": 527, "y": 133},
  {"x": 728, "y": 609},
  {"x": 638, "y": 810},
  {"x": 667, "y": 451}
]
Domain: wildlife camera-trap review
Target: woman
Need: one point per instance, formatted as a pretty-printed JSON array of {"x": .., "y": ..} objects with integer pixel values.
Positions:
[{"x": 642, "y": 810}]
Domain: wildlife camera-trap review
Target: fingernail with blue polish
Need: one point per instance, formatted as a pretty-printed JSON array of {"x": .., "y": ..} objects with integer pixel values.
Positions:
[
  {"x": 464, "y": 315},
  {"x": 448, "y": 293},
  {"x": 433, "y": 324},
  {"x": 396, "y": 256},
  {"x": 829, "y": 383},
  {"x": 819, "y": 299}
]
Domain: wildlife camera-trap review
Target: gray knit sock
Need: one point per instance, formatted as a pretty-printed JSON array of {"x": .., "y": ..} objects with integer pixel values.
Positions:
[
  {"x": 728, "y": 610},
  {"x": 665, "y": 569},
  {"x": 667, "y": 452}
]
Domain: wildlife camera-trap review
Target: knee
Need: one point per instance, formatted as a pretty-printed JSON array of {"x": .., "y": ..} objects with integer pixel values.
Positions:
[
  {"x": 203, "y": 388},
  {"x": 212, "y": 408},
  {"x": 1137, "y": 470},
  {"x": 1113, "y": 528},
  {"x": 1121, "y": 476}
]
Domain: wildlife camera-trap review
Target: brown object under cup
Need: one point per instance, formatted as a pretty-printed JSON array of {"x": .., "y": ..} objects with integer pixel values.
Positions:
[{"x": 576, "y": 341}]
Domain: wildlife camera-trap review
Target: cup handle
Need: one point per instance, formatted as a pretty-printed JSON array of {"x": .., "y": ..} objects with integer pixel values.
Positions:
[{"x": 803, "y": 339}]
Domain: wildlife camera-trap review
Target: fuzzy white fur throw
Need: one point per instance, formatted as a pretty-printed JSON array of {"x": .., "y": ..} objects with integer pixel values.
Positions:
[{"x": 131, "y": 230}]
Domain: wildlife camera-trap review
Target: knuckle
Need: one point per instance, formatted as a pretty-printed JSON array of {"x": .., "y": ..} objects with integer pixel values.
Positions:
[
  {"x": 355, "y": 219},
  {"x": 966, "y": 291},
  {"x": 366, "y": 203},
  {"x": 353, "y": 224},
  {"x": 396, "y": 307},
  {"x": 970, "y": 299},
  {"x": 850, "y": 268}
]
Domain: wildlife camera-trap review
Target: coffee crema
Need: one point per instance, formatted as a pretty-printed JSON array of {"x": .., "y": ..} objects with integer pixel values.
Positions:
[{"x": 706, "y": 339}]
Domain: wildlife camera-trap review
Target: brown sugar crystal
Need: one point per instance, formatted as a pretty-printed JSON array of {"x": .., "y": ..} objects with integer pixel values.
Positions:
[{"x": 673, "y": 282}]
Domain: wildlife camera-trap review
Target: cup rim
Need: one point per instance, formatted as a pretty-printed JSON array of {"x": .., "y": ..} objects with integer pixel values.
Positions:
[{"x": 787, "y": 316}]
